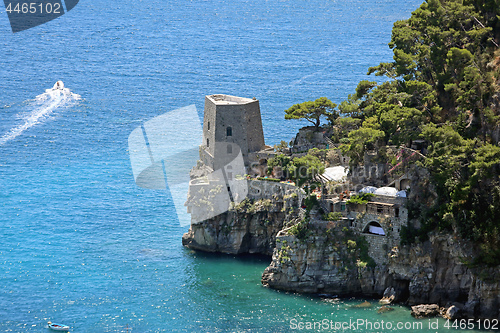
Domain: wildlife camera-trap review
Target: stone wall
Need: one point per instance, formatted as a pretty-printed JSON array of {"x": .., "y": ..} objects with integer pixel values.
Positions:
[{"x": 364, "y": 215}]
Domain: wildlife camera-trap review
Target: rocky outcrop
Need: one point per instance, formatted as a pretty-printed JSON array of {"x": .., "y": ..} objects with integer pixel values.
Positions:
[
  {"x": 326, "y": 259},
  {"x": 434, "y": 272},
  {"x": 313, "y": 266},
  {"x": 250, "y": 227},
  {"x": 334, "y": 258},
  {"x": 438, "y": 271},
  {"x": 425, "y": 310}
]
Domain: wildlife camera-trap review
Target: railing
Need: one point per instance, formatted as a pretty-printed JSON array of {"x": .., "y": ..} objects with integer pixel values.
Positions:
[{"x": 329, "y": 141}]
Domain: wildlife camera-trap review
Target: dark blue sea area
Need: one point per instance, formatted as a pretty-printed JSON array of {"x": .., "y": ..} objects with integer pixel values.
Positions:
[{"x": 81, "y": 244}]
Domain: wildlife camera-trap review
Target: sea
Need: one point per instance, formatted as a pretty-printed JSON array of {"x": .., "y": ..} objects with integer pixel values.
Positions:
[{"x": 83, "y": 245}]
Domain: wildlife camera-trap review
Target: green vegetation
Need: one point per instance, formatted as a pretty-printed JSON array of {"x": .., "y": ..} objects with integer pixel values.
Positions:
[
  {"x": 300, "y": 169},
  {"x": 443, "y": 87},
  {"x": 300, "y": 230},
  {"x": 333, "y": 216},
  {"x": 313, "y": 111},
  {"x": 360, "y": 199},
  {"x": 281, "y": 146},
  {"x": 303, "y": 169}
]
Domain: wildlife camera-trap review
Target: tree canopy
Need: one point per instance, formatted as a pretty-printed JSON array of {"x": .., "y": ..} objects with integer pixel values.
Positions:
[
  {"x": 313, "y": 111},
  {"x": 444, "y": 87}
]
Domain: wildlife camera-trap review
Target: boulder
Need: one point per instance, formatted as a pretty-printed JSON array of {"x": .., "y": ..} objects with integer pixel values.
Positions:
[
  {"x": 453, "y": 312},
  {"x": 389, "y": 296},
  {"x": 425, "y": 310}
]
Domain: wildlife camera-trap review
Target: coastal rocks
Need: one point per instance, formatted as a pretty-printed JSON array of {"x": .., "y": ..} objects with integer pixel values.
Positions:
[
  {"x": 384, "y": 309},
  {"x": 453, "y": 312},
  {"x": 432, "y": 272},
  {"x": 296, "y": 266},
  {"x": 314, "y": 264},
  {"x": 326, "y": 259},
  {"x": 432, "y": 310},
  {"x": 389, "y": 296},
  {"x": 436, "y": 272},
  {"x": 236, "y": 233},
  {"x": 365, "y": 304},
  {"x": 250, "y": 227},
  {"x": 425, "y": 310}
]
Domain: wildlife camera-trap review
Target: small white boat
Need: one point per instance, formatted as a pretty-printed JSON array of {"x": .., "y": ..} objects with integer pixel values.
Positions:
[
  {"x": 58, "y": 85},
  {"x": 58, "y": 327}
]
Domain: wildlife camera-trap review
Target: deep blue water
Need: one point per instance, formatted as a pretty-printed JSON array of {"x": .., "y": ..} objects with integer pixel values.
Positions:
[{"x": 81, "y": 243}]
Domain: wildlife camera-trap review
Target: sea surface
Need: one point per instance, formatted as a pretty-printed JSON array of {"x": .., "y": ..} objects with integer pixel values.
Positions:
[{"x": 81, "y": 244}]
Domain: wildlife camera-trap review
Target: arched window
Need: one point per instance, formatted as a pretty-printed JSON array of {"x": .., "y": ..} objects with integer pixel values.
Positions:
[
  {"x": 229, "y": 172},
  {"x": 229, "y": 131},
  {"x": 208, "y": 143},
  {"x": 208, "y": 126},
  {"x": 229, "y": 148}
]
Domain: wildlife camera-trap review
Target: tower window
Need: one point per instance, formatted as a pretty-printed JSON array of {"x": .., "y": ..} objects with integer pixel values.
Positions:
[
  {"x": 208, "y": 143},
  {"x": 229, "y": 149},
  {"x": 229, "y": 131},
  {"x": 208, "y": 126}
]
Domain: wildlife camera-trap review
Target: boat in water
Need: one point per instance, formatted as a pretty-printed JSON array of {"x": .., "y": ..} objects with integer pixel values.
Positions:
[
  {"x": 58, "y": 85},
  {"x": 58, "y": 327}
]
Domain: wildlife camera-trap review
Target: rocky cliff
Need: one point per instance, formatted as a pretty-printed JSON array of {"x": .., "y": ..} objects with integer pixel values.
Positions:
[
  {"x": 310, "y": 255},
  {"x": 250, "y": 227},
  {"x": 435, "y": 271}
]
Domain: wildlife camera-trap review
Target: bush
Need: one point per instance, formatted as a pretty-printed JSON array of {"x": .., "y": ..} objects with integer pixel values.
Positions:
[
  {"x": 334, "y": 216},
  {"x": 360, "y": 199},
  {"x": 300, "y": 230},
  {"x": 310, "y": 202}
]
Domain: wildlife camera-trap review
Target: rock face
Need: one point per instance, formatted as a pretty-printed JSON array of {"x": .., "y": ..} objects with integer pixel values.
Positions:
[
  {"x": 315, "y": 266},
  {"x": 432, "y": 272},
  {"x": 236, "y": 233},
  {"x": 250, "y": 227},
  {"x": 453, "y": 312},
  {"x": 436, "y": 272},
  {"x": 334, "y": 258}
]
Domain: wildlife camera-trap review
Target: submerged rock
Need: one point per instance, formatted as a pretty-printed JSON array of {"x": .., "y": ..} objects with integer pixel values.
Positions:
[
  {"x": 385, "y": 308},
  {"x": 365, "y": 304}
]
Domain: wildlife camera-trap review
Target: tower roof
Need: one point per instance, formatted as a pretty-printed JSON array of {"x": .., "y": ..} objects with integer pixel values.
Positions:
[{"x": 220, "y": 99}]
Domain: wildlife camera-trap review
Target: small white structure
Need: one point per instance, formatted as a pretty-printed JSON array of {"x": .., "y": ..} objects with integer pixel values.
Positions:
[
  {"x": 401, "y": 194},
  {"x": 389, "y": 191},
  {"x": 336, "y": 173},
  {"x": 368, "y": 189}
]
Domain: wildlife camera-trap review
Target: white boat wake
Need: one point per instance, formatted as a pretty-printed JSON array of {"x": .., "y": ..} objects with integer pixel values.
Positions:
[{"x": 42, "y": 107}]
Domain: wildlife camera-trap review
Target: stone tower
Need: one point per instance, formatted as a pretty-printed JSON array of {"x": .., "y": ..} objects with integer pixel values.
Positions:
[{"x": 231, "y": 124}]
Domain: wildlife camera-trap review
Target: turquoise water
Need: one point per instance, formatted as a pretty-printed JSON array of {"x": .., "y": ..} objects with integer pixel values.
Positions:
[{"x": 81, "y": 243}]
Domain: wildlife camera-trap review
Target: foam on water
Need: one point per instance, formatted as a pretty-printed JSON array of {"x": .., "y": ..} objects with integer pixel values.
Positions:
[{"x": 41, "y": 108}]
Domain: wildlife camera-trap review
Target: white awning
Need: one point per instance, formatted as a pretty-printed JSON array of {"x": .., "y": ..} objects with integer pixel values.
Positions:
[
  {"x": 336, "y": 173},
  {"x": 390, "y": 191},
  {"x": 376, "y": 230}
]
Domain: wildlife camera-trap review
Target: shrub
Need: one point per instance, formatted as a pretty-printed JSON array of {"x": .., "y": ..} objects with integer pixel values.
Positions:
[
  {"x": 360, "y": 199},
  {"x": 334, "y": 216}
]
